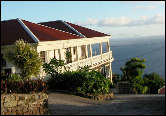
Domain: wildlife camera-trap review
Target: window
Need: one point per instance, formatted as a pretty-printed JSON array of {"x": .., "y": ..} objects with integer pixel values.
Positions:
[
  {"x": 42, "y": 55},
  {"x": 104, "y": 47}
]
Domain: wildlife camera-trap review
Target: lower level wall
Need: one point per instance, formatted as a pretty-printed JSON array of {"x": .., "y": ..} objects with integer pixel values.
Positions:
[{"x": 24, "y": 104}]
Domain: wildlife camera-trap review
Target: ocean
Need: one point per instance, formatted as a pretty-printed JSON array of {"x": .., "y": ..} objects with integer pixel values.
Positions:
[{"x": 151, "y": 48}]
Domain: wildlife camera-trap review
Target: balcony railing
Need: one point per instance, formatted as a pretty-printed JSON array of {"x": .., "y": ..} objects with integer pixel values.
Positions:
[{"x": 91, "y": 61}]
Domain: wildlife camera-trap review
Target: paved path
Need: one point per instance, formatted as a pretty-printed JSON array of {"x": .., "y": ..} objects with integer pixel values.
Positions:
[{"x": 66, "y": 104}]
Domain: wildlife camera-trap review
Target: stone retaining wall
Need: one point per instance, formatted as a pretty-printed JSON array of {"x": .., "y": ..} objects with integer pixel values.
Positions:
[{"x": 24, "y": 104}]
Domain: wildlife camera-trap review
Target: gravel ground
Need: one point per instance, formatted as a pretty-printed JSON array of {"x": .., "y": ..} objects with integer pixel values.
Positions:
[{"x": 66, "y": 104}]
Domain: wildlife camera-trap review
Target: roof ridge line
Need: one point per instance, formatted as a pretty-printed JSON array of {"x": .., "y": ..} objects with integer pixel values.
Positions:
[
  {"x": 52, "y": 28},
  {"x": 57, "y": 29},
  {"x": 72, "y": 28},
  {"x": 33, "y": 36},
  {"x": 85, "y": 27}
]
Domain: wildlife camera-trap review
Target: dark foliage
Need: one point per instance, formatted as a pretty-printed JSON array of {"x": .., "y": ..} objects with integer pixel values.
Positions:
[
  {"x": 23, "y": 86},
  {"x": 81, "y": 82},
  {"x": 154, "y": 82}
]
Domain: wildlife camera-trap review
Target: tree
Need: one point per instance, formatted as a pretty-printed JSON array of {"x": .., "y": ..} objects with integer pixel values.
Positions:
[
  {"x": 133, "y": 68},
  {"x": 54, "y": 67},
  {"x": 132, "y": 72},
  {"x": 154, "y": 81},
  {"x": 138, "y": 85},
  {"x": 26, "y": 58}
]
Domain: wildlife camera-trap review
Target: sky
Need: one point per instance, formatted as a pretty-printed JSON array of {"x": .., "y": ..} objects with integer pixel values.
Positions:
[{"x": 121, "y": 19}]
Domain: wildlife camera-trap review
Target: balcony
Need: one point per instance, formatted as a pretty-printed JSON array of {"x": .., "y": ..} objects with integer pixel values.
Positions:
[{"x": 92, "y": 62}]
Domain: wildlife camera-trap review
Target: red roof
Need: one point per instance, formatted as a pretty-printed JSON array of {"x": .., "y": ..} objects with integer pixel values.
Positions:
[
  {"x": 13, "y": 30},
  {"x": 44, "y": 33},
  {"x": 84, "y": 31},
  {"x": 87, "y": 32},
  {"x": 58, "y": 25}
]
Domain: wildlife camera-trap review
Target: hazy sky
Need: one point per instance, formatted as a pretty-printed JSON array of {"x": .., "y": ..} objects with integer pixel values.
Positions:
[{"x": 120, "y": 19}]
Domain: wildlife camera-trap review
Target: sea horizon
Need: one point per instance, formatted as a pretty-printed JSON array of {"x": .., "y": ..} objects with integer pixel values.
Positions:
[{"x": 152, "y": 48}]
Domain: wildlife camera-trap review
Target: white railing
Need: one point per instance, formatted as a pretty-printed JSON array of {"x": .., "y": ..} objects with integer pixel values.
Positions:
[{"x": 91, "y": 61}]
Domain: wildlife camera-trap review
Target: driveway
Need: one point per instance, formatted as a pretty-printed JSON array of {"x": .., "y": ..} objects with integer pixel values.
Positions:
[{"x": 66, "y": 104}]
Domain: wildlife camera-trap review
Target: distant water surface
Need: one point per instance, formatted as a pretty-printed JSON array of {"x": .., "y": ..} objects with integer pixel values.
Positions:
[{"x": 150, "y": 48}]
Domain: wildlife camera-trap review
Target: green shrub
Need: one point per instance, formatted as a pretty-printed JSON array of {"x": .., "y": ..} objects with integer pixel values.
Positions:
[
  {"x": 54, "y": 67},
  {"x": 145, "y": 89},
  {"x": 154, "y": 81},
  {"x": 81, "y": 81},
  {"x": 15, "y": 77},
  {"x": 23, "y": 86},
  {"x": 94, "y": 83},
  {"x": 137, "y": 83}
]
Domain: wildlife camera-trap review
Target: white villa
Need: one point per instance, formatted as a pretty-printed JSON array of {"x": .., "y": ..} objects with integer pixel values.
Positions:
[{"x": 53, "y": 39}]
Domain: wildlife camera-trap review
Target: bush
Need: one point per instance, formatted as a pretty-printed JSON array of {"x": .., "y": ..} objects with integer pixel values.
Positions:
[
  {"x": 23, "y": 86},
  {"x": 154, "y": 81},
  {"x": 81, "y": 82},
  {"x": 54, "y": 67},
  {"x": 15, "y": 77},
  {"x": 145, "y": 89},
  {"x": 137, "y": 84},
  {"x": 94, "y": 83}
]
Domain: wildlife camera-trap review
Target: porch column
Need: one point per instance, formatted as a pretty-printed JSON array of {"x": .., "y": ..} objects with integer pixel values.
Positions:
[
  {"x": 101, "y": 50},
  {"x": 59, "y": 53},
  {"x": 71, "y": 54},
  {"x": 90, "y": 50},
  {"x": 108, "y": 49},
  {"x": 110, "y": 72},
  {"x": 77, "y": 53},
  {"x": 108, "y": 46},
  {"x": 46, "y": 56},
  {"x": 86, "y": 51},
  {"x": 91, "y": 54}
]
